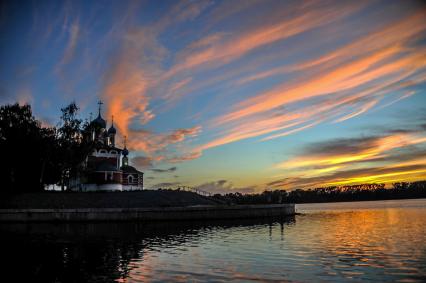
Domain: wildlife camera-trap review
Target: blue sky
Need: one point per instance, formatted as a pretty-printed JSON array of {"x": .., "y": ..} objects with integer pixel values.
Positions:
[{"x": 233, "y": 95}]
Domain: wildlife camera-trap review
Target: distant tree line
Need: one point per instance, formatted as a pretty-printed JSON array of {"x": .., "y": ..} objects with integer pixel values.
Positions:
[
  {"x": 362, "y": 192},
  {"x": 34, "y": 156}
]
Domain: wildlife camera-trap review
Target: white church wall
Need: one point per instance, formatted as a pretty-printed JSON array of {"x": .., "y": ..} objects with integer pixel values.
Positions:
[
  {"x": 110, "y": 187},
  {"x": 95, "y": 187}
]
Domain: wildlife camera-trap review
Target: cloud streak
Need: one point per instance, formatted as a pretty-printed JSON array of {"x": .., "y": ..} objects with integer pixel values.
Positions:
[
  {"x": 217, "y": 52},
  {"x": 348, "y": 82},
  {"x": 169, "y": 170},
  {"x": 142, "y": 162},
  {"x": 132, "y": 74},
  {"x": 397, "y": 155}
]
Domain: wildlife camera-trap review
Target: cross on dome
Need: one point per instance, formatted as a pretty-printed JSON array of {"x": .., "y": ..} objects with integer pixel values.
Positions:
[{"x": 100, "y": 106}]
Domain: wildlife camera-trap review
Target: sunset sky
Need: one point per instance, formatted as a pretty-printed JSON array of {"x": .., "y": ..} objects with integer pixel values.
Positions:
[{"x": 233, "y": 95}]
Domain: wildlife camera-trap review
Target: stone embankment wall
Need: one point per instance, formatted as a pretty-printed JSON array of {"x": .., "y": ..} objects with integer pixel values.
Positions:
[{"x": 199, "y": 212}]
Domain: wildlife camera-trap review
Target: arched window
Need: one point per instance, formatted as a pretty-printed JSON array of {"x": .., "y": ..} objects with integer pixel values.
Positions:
[
  {"x": 130, "y": 179},
  {"x": 113, "y": 152},
  {"x": 102, "y": 151}
]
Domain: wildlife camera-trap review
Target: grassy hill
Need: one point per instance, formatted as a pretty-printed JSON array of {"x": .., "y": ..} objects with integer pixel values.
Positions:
[{"x": 136, "y": 199}]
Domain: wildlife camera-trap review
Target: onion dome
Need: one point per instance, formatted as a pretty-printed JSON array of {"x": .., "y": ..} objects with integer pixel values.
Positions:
[
  {"x": 125, "y": 152},
  {"x": 99, "y": 121},
  {"x": 112, "y": 130}
]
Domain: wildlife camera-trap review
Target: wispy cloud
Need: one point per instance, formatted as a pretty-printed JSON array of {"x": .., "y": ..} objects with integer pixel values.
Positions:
[
  {"x": 393, "y": 156},
  {"x": 74, "y": 33},
  {"x": 352, "y": 150},
  {"x": 168, "y": 170},
  {"x": 142, "y": 162},
  {"x": 132, "y": 74},
  {"x": 349, "y": 81},
  {"x": 160, "y": 146},
  {"x": 184, "y": 157},
  {"x": 341, "y": 85},
  {"x": 342, "y": 78},
  {"x": 356, "y": 176},
  {"x": 216, "y": 52}
]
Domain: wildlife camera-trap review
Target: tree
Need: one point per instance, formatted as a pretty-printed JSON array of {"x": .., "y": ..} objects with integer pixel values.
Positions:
[
  {"x": 25, "y": 145},
  {"x": 73, "y": 147},
  {"x": 34, "y": 156}
]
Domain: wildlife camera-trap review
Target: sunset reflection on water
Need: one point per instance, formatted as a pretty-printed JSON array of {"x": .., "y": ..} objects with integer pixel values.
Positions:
[{"x": 370, "y": 241}]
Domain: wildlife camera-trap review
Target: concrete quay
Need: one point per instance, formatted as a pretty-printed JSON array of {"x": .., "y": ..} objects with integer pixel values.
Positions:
[{"x": 196, "y": 212}]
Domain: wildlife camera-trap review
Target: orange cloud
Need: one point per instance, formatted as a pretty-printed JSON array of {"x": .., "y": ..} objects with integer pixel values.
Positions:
[
  {"x": 125, "y": 93},
  {"x": 387, "y": 158},
  {"x": 379, "y": 174},
  {"x": 215, "y": 53},
  {"x": 351, "y": 75},
  {"x": 388, "y": 43},
  {"x": 394, "y": 34},
  {"x": 185, "y": 157},
  {"x": 156, "y": 144},
  {"x": 369, "y": 149},
  {"x": 349, "y": 81},
  {"x": 344, "y": 83},
  {"x": 305, "y": 117}
]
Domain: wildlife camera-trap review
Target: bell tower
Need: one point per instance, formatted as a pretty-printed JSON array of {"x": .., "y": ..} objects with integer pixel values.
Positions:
[{"x": 111, "y": 132}]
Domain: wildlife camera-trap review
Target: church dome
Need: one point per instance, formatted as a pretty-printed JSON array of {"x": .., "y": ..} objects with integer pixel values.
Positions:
[
  {"x": 99, "y": 121},
  {"x": 125, "y": 152},
  {"x": 112, "y": 130}
]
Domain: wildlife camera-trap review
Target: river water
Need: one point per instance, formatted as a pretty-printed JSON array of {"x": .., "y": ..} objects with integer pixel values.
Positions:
[{"x": 378, "y": 241}]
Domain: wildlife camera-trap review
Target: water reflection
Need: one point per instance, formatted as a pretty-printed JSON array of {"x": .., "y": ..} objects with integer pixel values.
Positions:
[
  {"x": 384, "y": 243},
  {"x": 102, "y": 252}
]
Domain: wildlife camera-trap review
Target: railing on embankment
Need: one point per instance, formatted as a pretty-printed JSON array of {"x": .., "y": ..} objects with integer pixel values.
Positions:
[{"x": 199, "y": 192}]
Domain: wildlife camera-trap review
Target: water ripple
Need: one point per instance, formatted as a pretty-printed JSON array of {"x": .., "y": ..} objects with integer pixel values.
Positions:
[{"x": 325, "y": 244}]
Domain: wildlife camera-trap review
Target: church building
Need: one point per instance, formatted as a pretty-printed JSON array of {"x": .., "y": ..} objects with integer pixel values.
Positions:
[{"x": 107, "y": 167}]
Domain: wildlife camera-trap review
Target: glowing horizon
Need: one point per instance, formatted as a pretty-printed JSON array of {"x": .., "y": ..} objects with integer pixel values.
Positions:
[{"x": 233, "y": 95}]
